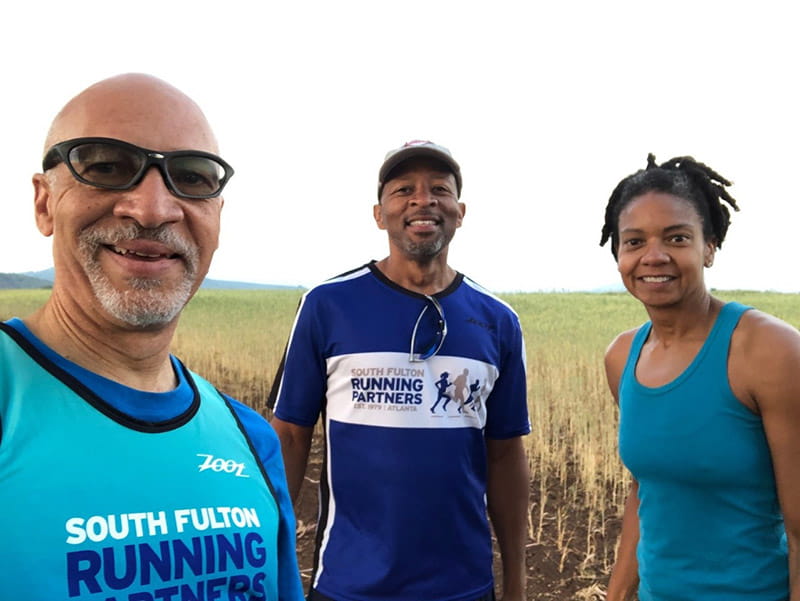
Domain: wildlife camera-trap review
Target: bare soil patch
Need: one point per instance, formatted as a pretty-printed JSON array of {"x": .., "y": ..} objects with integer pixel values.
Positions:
[{"x": 568, "y": 563}]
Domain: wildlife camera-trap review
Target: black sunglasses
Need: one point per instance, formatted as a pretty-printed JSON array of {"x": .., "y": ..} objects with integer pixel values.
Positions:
[
  {"x": 116, "y": 165},
  {"x": 433, "y": 344}
]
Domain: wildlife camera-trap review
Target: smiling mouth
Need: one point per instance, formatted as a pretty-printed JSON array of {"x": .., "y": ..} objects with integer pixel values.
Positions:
[
  {"x": 140, "y": 255},
  {"x": 656, "y": 279},
  {"x": 423, "y": 222}
]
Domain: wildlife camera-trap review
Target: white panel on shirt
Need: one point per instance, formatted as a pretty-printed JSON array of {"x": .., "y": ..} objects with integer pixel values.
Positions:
[{"x": 386, "y": 389}]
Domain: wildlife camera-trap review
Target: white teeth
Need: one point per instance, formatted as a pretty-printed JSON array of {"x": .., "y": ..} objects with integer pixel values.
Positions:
[
  {"x": 656, "y": 279},
  {"x": 423, "y": 222}
]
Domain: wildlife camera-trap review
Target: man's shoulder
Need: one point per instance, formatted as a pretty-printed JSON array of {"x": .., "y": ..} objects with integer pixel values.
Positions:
[
  {"x": 255, "y": 424},
  {"x": 490, "y": 298},
  {"x": 351, "y": 274},
  {"x": 344, "y": 283}
]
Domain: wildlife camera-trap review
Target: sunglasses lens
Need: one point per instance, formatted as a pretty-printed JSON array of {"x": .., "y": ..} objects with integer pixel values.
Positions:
[
  {"x": 195, "y": 176},
  {"x": 429, "y": 332},
  {"x": 106, "y": 164},
  {"x": 428, "y": 349}
]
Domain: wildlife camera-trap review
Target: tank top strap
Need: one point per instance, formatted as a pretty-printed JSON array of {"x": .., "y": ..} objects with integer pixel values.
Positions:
[
  {"x": 636, "y": 348},
  {"x": 712, "y": 360},
  {"x": 728, "y": 319}
]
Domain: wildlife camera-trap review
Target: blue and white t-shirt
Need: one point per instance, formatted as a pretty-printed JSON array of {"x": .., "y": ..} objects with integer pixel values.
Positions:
[{"x": 403, "y": 490}]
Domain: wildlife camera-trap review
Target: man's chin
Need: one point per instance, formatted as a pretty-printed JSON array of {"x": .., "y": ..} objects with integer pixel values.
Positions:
[
  {"x": 146, "y": 304},
  {"x": 148, "y": 318},
  {"x": 425, "y": 251}
]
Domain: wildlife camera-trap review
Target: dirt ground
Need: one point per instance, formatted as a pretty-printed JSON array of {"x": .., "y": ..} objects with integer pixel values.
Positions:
[{"x": 556, "y": 571}]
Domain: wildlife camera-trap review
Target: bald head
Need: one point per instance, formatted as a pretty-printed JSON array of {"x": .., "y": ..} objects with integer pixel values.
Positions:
[{"x": 137, "y": 108}]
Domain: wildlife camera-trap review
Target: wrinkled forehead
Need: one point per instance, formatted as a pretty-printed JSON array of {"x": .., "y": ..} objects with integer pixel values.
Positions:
[{"x": 143, "y": 111}]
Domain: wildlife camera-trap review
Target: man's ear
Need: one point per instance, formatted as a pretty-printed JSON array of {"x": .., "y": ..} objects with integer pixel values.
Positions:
[
  {"x": 463, "y": 209},
  {"x": 42, "y": 206},
  {"x": 377, "y": 213}
]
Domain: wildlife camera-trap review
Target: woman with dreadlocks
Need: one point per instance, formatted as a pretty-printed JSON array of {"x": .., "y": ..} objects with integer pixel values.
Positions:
[{"x": 709, "y": 398}]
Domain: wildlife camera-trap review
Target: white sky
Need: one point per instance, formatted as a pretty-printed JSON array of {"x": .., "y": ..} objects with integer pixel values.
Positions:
[{"x": 546, "y": 105}]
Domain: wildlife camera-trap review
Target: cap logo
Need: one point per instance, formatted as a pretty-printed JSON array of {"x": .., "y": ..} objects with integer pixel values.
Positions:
[{"x": 416, "y": 143}]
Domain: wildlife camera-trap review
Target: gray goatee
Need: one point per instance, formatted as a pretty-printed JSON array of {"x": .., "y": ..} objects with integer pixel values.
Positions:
[{"x": 147, "y": 301}]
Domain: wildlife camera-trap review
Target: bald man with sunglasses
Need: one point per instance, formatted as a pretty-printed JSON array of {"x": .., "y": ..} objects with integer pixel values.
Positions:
[
  {"x": 124, "y": 475},
  {"x": 407, "y": 482}
]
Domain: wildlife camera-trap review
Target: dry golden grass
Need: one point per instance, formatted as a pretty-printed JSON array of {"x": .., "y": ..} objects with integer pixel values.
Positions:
[
  {"x": 236, "y": 340},
  {"x": 21, "y": 303}
]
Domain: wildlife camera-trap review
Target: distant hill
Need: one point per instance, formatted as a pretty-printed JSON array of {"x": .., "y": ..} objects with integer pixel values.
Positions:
[
  {"x": 609, "y": 288},
  {"x": 210, "y": 284},
  {"x": 19, "y": 281},
  {"x": 44, "y": 279}
]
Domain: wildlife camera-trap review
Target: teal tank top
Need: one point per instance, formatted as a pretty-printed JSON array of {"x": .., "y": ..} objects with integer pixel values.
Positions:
[
  {"x": 710, "y": 524},
  {"x": 95, "y": 505}
]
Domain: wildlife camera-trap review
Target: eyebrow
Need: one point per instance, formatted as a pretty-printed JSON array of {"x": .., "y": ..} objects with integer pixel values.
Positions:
[{"x": 669, "y": 228}]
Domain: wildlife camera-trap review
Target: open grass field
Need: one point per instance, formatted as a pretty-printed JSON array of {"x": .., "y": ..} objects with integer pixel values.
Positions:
[{"x": 236, "y": 339}]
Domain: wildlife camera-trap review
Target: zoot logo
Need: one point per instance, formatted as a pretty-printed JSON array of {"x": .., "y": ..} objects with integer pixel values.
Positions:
[{"x": 218, "y": 464}]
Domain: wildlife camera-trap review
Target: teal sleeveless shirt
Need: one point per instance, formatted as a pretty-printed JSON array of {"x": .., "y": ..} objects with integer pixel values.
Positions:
[
  {"x": 710, "y": 524},
  {"x": 95, "y": 505}
]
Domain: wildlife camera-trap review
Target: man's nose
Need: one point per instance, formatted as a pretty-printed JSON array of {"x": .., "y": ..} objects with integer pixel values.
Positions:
[
  {"x": 150, "y": 203},
  {"x": 423, "y": 195}
]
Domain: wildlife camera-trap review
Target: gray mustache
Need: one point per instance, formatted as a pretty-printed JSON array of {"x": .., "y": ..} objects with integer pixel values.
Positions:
[{"x": 133, "y": 231}]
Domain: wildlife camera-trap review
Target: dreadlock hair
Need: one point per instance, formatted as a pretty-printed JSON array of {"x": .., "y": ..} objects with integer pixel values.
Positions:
[{"x": 683, "y": 177}]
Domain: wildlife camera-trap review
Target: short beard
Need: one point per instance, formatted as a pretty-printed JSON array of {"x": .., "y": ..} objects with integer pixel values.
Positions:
[
  {"x": 147, "y": 302},
  {"x": 424, "y": 250}
]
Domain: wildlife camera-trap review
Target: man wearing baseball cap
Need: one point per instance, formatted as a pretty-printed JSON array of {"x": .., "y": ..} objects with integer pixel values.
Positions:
[{"x": 408, "y": 482}]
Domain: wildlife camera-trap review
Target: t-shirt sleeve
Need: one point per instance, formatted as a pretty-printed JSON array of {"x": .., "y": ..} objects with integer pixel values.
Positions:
[
  {"x": 507, "y": 406},
  {"x": 298, "y": 391},
  {"x": 267, "y": 447}
]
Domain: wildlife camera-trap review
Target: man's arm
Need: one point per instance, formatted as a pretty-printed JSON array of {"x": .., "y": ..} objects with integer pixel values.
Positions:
[
  {"x": 298, "y": 392},
  {"x": 507, "y": 496},
  {"x": 295, "y": 447}
]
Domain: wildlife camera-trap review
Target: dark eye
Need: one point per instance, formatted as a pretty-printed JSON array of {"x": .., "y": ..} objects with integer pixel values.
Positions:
[
  {"x": 195, "y": 182},
  {"x": 191, "y": 178},
  {"x": 102, "y": 168},
  {"x": 195, "y": 175},
  {"x": 631, "y": 242},
  {"x": 110, "y": 172},
  {"x": 104, "y": 164}
]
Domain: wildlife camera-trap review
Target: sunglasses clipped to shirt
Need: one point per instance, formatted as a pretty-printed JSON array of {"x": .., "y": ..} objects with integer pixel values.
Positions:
[
  {"x": 428, "y": 335},
  {"x": 116, "y": 165}
]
